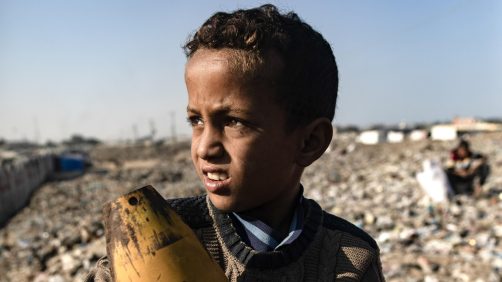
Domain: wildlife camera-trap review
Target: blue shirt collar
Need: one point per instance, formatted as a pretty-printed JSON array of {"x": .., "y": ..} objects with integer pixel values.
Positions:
[{"x": 261, "y": 237}]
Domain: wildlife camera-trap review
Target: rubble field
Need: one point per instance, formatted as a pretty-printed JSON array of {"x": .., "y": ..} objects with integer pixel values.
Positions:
[{"x": 59, "y": 235}]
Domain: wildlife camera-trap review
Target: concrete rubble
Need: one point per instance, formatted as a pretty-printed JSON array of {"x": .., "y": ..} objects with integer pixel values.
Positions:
[{"x": 59, "y": 235}]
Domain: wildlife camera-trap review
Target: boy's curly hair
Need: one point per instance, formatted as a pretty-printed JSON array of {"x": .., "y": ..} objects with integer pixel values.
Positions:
[{"x": 308, "y": 80}]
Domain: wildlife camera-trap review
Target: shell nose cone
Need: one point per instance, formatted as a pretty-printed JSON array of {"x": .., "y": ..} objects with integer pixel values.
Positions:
[{"x": 146, "y": 241}]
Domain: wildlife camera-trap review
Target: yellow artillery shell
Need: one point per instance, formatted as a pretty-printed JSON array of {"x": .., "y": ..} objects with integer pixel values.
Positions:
[{"x": 147, "y": 241}]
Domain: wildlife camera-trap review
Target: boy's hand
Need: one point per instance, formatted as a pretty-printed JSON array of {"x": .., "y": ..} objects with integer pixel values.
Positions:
[{"x": 462, "y": 172}]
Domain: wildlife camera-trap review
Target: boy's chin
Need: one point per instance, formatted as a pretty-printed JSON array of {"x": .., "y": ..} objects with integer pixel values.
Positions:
[{"x": 224, "y": 204}]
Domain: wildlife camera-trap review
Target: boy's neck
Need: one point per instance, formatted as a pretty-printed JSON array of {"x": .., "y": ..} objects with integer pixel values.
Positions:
[{"x": 277, "y": 215}]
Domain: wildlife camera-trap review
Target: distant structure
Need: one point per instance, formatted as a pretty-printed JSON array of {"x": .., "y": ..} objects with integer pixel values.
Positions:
[
  {"x": 473, "y": 125},
  {"x": 20, "y": 175},
  {"x": 462, "y": 125},
  {"x": 371, "y": 137},
  {"x": 418, "y": 134},
  {"x": 441, "y": 132},
  {"x": 395, "y": 136}
]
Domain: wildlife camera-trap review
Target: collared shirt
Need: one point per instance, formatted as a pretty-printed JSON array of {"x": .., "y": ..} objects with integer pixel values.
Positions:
[{"x": 261, "y": 237}]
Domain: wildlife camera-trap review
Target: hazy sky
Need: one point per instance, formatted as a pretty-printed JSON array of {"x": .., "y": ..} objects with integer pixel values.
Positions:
[{"x": 100, "y": 68}]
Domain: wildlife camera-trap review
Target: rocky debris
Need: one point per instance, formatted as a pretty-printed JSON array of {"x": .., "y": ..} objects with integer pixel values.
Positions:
[
  {"x": 419, "y": 240},
  {"x": 59, "y": 235}
]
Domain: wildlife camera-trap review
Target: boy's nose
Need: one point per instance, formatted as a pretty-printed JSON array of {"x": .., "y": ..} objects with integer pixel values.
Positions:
[{"x": 210, "y": 145}]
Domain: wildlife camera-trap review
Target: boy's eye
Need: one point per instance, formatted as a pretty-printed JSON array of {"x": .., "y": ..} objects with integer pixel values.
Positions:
[
  {"x": 195, "y": 121},
  {"x": 233, "y": 122}
]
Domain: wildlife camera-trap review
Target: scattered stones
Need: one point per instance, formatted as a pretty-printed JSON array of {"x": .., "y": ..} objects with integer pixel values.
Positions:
[
  {"x": 59, "y": 235},
  {"x": 419, "y": 240}
]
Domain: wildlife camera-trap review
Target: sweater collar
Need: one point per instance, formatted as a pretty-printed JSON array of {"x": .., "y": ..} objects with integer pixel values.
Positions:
[
  {"x": 261, "y": 237},
  {"x": 273, "y": 259}
]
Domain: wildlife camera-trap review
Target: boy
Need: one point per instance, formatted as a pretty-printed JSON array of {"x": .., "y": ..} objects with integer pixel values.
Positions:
[
  {"x": 262, "y": 90},
  {"x": 467, "y": 171}
]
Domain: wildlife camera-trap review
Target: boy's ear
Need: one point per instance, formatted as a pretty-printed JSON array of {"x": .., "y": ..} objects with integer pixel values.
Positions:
[{"x": 316, "y": 138}]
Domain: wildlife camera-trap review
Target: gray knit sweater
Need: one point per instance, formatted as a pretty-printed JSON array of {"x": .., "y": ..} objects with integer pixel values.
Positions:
[{"x": 328, "y": 249}]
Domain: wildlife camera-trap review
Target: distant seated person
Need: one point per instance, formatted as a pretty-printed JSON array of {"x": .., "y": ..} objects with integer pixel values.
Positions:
[{"x": 467, "y": 171}]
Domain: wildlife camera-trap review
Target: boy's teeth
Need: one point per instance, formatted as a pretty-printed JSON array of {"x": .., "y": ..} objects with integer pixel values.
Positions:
[{"x": 217, "y": 176}]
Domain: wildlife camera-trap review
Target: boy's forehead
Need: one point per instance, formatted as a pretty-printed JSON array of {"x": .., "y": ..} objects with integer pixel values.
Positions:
[
  {"x": 247, "y": 65},
  {"x": 205, "y": 58},
  {"x": 209, "y": 65},
  {"x": 243, "y": 101},
  {"x": 204, "y": 64}
]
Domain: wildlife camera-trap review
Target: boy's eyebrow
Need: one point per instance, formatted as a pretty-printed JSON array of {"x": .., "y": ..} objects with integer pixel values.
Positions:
[
  {"x": 191, "y": 110},
  {"x": 221, "y": 110}
]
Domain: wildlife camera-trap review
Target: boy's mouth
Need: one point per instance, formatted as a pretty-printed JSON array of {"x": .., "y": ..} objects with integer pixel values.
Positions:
[
  {"x": 216, "y": 180},
  {"x": 217, "y": 176}
]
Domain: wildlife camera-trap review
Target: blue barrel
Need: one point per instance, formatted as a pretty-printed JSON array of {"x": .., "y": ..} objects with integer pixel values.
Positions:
[{"x": 71, "y": 163}]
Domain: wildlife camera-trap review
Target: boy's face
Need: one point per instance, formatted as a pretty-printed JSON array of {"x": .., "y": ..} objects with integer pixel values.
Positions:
[
  {"x": 240, "y": 147},
  {"x": 462, "y": 152}
]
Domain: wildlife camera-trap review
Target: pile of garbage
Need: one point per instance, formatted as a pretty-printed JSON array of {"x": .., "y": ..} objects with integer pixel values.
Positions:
[
  {"x": 375, "y": 187},
  {"x": 59, "y": 236}
]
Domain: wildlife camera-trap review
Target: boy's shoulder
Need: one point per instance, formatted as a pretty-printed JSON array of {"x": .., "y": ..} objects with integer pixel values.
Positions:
[
  {"x": 335, "y": 223},
  {"x": 357, "y": 250},
  {"x": 192, "y": 210}
]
